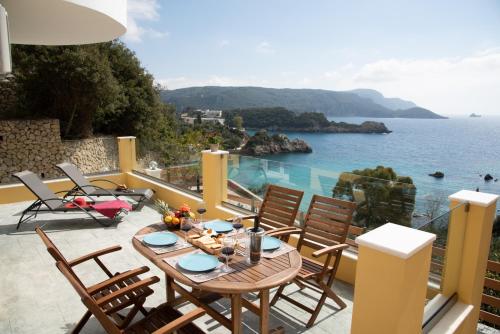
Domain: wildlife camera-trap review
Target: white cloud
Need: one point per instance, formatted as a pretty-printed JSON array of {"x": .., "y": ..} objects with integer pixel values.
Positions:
[
  {"x": 140, "y": 11},
  {"x": 265, "y": 48},
  {"x": 223, "y": 43},
  {"x": 459, "y": 85}
]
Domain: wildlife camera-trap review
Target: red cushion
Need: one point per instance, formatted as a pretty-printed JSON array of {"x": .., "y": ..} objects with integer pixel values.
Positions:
[
  {"x": 111, "y": 208},
  {"x": 78, "y": 202}
]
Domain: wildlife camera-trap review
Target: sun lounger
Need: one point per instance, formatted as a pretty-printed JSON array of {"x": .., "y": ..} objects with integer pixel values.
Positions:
[
  {"x": 82, "y": 184},
  {"x": 48, "y": 201}
]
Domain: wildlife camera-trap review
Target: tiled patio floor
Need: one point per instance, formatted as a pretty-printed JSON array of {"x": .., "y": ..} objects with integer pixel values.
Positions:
[{"x": 35, "y": 297}]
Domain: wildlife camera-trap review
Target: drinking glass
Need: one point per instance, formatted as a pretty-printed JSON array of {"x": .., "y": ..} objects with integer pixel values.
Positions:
[
  {"x": 228, "y": 245},
  {"x": 186, "y": 225},
  {"x": 202, "y": 208},
  {"x": 238, "y": 224}
]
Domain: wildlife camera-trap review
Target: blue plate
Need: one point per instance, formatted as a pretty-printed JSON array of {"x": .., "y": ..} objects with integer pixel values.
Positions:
[
  {"x": 160, "y": 239},
  {"x": 198, "y": 262},
  {"x": 219, "y": 226},
  {"x": 270, "y": 243}
]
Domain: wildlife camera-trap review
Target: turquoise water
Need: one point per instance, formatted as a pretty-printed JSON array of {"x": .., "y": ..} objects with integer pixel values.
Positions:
[{"x": 462, "y": 148}]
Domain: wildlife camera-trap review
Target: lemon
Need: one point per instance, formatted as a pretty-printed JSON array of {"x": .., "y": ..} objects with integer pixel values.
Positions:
[
  {"x": 192, "y": 215},
  {"x": 167, "y": 219}
]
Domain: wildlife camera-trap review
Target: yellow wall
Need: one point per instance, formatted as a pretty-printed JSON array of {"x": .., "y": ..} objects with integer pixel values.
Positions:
[{"x": 390, "y": 292}]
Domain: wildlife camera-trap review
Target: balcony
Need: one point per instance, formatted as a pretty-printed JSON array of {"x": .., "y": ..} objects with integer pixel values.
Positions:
[{"x": 36, "y": 297}]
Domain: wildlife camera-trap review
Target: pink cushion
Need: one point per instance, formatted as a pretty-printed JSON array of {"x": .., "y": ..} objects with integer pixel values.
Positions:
[{"x": 111, "y": 208}]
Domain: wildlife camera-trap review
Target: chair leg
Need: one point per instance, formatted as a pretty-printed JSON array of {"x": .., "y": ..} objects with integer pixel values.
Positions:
[
  {"x": 35, "y": 206},
  {"x": 81, "y": 323},
  {"x": 315, "y": 314},
  {"x": 333, "y": 295},
  {"x": 299, "y": 284},
  {"x": 278, "y": 294},
  {"x": 143, "y": 310}
]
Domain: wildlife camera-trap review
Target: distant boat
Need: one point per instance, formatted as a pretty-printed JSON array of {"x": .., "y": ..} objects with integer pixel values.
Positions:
[{"x": 474, "y": 115}]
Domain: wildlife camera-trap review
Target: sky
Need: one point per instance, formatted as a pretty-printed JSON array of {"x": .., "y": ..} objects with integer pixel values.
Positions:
[{"x": 443, "y": 55}]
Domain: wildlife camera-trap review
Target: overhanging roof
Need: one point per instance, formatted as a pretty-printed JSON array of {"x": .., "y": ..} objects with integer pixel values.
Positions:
[{"x": 65, "y": 22}]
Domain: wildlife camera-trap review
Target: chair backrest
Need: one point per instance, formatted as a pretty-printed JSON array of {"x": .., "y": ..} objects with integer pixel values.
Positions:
[
  {"x": 88, "y": 300},
  {"x": 56, "y": 253},
  {"x": 76, "y": 176},
  {"x": 39, "y": 189},
  {"x": 327, "y": 222},
  {"x": 279, "y": 207},
  {"x": 51, "y": 247}
]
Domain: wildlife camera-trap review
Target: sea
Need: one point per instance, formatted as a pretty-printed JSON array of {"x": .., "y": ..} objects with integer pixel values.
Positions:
[{"x": 465, "y": 149}]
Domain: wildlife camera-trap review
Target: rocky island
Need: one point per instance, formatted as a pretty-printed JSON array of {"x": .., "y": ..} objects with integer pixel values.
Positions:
[
  {"x": 281, "y": 119},
  {"x": 262, "y": 143}
]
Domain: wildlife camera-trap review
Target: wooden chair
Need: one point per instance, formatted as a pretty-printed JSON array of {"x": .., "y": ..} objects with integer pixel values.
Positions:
[
  {"x": 279, "y": 208},
  {"x": 161, "y": 320},
  {"x": 107, "y": 287},
  {"x": 325, "y": 229}
]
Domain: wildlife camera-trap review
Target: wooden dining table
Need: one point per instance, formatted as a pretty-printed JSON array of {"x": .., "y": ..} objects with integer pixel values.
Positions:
[{"x": 245, "y": 278}]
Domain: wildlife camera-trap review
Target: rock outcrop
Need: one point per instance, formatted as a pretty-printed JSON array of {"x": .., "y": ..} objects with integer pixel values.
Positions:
[
  {"x": 437, "y": 175},
  {"x": 262, "y": 143}
]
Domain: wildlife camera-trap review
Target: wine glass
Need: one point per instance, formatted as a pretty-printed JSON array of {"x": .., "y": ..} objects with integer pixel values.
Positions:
[
  {"x": 238, "y": 224},
  {"x": 228, "y": 245},
  {"x": 202, "y": 208},
  {"x": 186, "y": 225}
]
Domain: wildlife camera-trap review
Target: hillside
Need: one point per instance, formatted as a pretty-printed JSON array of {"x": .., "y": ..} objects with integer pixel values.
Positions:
[
  {"x": 281, "y": 119},
  {"x": 331, "y": 103},
  {"x": 392, "y": 103}
]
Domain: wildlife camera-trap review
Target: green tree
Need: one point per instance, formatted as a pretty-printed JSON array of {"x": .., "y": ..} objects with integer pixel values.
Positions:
[
  {"x": 98, "y": 87},
  {"x": 382, "y": 196},
  {"x": 102, "y": 88},
  {"x": 238, "y": 122}
]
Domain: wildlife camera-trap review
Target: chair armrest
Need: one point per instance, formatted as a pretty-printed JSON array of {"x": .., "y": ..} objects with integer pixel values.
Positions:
[
  {"x": 117, "y": 279},
  {"x": 94, "y": 255},
  {"x": 100, "y": 188},
  {"x": 284, "y": 231},
  {"x": 242, "y": 217},
  {"x": 330, "y": 249},
  {"x": 104, "y": 180},
  {"x": 127, "y": 290},
  {"x": 181, "y": 321}
]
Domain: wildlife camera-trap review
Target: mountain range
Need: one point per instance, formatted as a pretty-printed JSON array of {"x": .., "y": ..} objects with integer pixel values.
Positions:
[{"x": 356, "y": 103}]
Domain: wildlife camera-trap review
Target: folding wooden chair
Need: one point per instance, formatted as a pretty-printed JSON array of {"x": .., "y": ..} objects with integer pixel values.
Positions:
[
  {"x": 161, "y": 320},
  {"x": 106, "y": 288},
  {"x": 279, "y": 209},
  {"x": 325, "y": 229}
]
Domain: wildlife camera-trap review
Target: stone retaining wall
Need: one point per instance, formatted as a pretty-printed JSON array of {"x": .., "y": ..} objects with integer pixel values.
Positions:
[{"x": 36, "y": 145}]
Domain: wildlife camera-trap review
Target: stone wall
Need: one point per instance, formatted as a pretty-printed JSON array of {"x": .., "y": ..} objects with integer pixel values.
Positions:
[
  {"x": 92, "y": 155},
  {"x": 36, "y": 145}
]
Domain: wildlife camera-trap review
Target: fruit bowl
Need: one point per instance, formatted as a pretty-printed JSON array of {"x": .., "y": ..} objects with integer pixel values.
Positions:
[{"x": 173, "y": 218}]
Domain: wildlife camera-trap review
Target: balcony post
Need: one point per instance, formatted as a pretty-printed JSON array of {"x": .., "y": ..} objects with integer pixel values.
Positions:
[
  {"x": 214, "y": 178},
  {"x": 391, "y": 280},
  {"x": 467, "y": 250},
  {"x": 126, "y": 154}
]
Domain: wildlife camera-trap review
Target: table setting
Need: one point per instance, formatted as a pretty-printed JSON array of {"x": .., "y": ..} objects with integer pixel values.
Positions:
[{"x": 230, "y": 261}]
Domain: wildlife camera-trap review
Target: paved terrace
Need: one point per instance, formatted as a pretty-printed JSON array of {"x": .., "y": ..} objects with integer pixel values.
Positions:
[{"x": 35, "y": 297}]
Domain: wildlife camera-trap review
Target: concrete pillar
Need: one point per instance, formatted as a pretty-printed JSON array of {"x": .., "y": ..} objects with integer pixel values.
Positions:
[
  {"x": 214, "y": 169},
  {"x": 467, "y": 250},
  {"x": 391, "y": 280},
  {"x": 126, "y": 154}
]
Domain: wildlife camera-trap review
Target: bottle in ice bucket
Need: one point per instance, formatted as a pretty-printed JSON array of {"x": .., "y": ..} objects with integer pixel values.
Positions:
[{"x": 255, "y": 233}]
